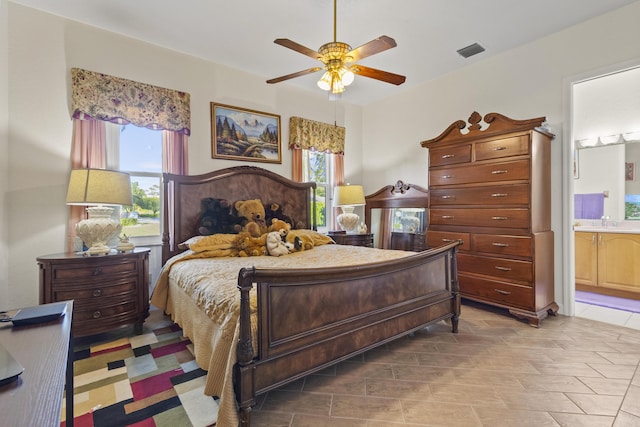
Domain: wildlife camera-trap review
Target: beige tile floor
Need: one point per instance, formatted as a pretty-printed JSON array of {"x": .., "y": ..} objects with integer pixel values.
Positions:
[{"x": 497, "y": 371}]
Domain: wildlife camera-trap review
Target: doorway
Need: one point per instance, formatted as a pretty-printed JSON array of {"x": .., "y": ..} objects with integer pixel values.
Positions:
[{"x": 600, "y": 105}]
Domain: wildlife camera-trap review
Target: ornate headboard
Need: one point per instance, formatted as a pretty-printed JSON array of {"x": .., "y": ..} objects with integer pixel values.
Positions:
[{"x": 183, "y": 195}]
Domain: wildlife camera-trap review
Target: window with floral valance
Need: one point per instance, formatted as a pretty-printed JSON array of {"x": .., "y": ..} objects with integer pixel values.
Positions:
[
  {"x": 312, "y": 135},
  {"x": 114, "y": 99}
]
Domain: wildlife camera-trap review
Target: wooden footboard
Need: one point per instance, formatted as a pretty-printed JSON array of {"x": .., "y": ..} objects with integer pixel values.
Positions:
[{"x": 310, "y": 319}]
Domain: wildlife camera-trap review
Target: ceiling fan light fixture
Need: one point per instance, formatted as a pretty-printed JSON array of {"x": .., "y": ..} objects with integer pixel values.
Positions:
[
  {"x": 325, "y": 81},
  {"x": 347, "y": 76}
]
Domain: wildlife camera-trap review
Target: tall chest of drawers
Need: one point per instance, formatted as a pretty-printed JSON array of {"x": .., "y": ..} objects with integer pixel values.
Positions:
[
  {"x": 108, "y": 291},
  {"x": 491, "y": 188}
]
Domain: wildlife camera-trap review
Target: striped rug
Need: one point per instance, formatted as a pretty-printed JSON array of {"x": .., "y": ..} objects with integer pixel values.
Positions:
[{"x": 144, "y": 381}]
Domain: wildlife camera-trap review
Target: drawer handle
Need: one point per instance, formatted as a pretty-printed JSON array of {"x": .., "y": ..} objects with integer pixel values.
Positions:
[
  {"x": 97, "y": 271},
  {"x": 499, "y": 194},
  {"x": 448, "y": 156},
  {"x": 499, "y": 148},
  {"x": 447, "y": 240},
  {"x": 97, "y": 314},
  {"x": 502, "y": 268},
  {"x": 446, "y": 176},
  {"x": 447, "y": 216},
  {"x": 500, "y": 245},
  {"x": 499, "y": 218},
  {"x": 448, "y": 197},
  {"x": 500, "y": 291},
  {"x": 97, "y": 292},
  {"x": 499, "y": 172}
]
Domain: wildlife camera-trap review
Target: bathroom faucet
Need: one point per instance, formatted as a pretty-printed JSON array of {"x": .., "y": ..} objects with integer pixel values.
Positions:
[{"x": 604, "y": 220}]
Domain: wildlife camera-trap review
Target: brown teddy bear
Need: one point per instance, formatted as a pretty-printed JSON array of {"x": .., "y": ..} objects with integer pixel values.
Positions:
[
  {"x": 247, "y": 245},
  {"x": 254, "y": 216}
]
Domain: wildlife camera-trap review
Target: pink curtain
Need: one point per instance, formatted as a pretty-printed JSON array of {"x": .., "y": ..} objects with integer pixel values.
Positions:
[
  {"x": 88, "y": 150},
  {"x": 174, "y": 153},
  {"x": 338, "y": 179},
  {"x": 296, "y": 164}
]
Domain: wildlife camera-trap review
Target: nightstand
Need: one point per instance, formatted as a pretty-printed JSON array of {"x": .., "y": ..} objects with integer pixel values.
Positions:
[
  {"x": 108, "y": 291},
  {"x": 352, "y": 239}
]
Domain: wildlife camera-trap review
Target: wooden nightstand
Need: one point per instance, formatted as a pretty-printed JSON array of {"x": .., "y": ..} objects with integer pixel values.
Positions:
[
  {"x": 352, "y": 239},
  {"x": 108, "y": 291}
]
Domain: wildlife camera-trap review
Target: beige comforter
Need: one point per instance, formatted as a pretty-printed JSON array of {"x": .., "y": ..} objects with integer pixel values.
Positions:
[{"x": 201, "y": 295}]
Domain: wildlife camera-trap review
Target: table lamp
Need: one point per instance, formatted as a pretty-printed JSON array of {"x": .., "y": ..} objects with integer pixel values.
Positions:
[
  {"x": 347, "y": 197},
  {"x": 98, "y": 189}
]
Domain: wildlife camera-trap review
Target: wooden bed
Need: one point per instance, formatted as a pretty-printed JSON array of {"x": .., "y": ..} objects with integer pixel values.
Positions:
[{"x": 306, "y": 318}]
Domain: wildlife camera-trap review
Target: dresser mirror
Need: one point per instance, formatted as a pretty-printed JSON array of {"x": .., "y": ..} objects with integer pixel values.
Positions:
[{"x": 398, "y": 215}]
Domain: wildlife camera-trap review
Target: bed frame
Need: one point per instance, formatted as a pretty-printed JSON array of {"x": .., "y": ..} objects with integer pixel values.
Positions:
[{"x": 347, "y": 310}]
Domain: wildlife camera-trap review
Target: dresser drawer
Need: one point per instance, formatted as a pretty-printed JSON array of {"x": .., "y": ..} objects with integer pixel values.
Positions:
[
  {"x": 495, "y": 291},
  {"x": 502, "y": 245},
  {"x": 517, "y": 194},
  {"x": 439, "y": 238},
  {"x": 506, "y": 218},
  {"x": 449, "y": 155},
  {"x": 505, "y": 147},
  {"x": 500, "y": 268},
  {"x": 95, "y": 291},
  {"x": 484, "y": 173},
  {"x": 92, "y": 271}
]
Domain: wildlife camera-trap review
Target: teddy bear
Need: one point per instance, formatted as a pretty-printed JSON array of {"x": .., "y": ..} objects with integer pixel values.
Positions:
[
  {"x": 216, "y": 217},
  {"x": 301, "y": 240},
  {"x": 246, "y": 245},
  {"x": 252, "y": 213},
  {"x": 273, "y": 211},
  {"x": 276, "y": 246}
]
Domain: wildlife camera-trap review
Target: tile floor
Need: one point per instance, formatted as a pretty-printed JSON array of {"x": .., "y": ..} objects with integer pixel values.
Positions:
[
  {"x": 497, "y": 371},
  {"x": 608, "y": 315}
]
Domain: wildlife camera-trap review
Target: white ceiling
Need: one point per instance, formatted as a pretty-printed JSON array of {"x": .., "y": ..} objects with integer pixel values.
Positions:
[{"x": 240, "y": 33}]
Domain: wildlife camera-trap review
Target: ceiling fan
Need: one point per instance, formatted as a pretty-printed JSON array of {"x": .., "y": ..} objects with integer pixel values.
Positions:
[{"x": 338, "y": 59}]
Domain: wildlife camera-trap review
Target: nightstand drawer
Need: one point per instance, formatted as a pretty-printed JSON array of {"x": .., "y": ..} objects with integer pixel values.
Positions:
[
  {"x": 94, "y": 291},
  {"x": 90, "y": 316},
  {"x": 92, "y": 271}
]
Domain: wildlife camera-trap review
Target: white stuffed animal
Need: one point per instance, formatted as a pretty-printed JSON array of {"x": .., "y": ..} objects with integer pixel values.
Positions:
[{"x": 275, "y": 245}]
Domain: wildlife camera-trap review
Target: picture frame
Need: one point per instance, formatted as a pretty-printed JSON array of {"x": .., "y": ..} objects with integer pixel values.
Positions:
[
  {"x": 243, "y": 134},
  {"x": 629, "y": 171}
]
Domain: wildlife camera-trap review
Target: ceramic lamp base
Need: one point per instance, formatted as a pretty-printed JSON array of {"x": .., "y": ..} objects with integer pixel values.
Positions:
[{"x": 348, "y": 220}]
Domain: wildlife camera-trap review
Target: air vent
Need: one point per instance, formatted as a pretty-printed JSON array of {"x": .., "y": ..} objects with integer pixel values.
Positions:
[{"x": 470, "y": 50}]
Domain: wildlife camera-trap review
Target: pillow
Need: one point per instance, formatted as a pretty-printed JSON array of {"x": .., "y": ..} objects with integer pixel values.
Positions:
[
  {"x": 187, "y": 243},
  {"x": 209, "y": 243}
]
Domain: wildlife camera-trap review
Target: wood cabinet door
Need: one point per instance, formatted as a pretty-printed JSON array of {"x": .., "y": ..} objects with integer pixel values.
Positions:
[
  {"x": 586, "y": 254},
  {"x": 619, "y": 261}
]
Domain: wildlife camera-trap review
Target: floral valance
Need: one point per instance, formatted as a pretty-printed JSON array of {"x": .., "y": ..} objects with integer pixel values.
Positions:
[
  {"x": 114, "y": 99},
  {"x": 308, "y": 134}
]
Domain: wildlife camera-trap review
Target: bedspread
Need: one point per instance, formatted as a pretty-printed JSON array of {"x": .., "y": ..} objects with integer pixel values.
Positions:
[{"x": 201, "y": 295}]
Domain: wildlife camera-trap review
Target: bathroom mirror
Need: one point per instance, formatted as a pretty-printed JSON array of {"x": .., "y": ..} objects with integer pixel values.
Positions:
[
  {"x": 398, "y": 216},
  {"x": 606, "y": 181}
]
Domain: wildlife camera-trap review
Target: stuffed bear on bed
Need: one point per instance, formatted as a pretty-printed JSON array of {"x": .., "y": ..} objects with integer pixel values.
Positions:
[{"x": 216, "y": 217}]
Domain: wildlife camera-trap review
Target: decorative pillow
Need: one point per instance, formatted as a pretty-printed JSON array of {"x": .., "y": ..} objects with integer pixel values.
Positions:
[{"x": 209, "y": 243}]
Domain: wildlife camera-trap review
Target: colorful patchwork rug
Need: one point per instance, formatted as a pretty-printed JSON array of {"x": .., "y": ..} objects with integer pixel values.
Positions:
[{"x": 143, "y": 381}]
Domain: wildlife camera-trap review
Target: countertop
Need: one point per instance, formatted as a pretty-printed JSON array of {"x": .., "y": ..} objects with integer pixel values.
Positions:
[{"x": 621, "y": 229}]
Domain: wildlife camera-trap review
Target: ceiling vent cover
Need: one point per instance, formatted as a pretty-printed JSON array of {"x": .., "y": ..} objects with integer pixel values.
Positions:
[{"x": 470, "y": 50}]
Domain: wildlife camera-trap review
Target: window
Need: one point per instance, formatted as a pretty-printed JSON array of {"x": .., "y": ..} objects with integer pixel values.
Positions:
[
  {"x": 318, "y": 167},
  {"x": 138, "y": 151}
]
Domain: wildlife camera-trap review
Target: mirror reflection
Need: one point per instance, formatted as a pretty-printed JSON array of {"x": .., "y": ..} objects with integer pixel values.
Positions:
[
  {"x": 398, "y": 216},
  {"x": 606, "y": 182}
]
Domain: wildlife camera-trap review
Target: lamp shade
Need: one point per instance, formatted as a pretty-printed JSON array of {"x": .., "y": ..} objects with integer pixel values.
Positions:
[
  {"x": 99, "y": 187},
  {"x": 348, "y": 195}
]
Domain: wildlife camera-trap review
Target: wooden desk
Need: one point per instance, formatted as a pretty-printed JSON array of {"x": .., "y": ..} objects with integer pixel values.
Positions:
[{"x": 46, "y": 353}]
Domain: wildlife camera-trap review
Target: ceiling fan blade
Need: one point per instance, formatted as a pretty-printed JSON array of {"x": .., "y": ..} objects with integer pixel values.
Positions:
[
  {"x": 380, "y": 44},
  {"x": 293, "y": 75},
  {"x": 298, "y": 48},
  {"x": 372, "y": 73}
]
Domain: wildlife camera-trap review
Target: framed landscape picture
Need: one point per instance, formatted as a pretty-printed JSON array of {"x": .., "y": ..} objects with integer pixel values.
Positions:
[{"x": 242, "y": 134}]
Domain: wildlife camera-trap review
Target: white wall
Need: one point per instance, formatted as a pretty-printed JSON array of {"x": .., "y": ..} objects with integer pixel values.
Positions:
[
  {"x": 522, "y": 83},
  {"x": 42, "y": 50},
  {"x": 4, "y": 153}
]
